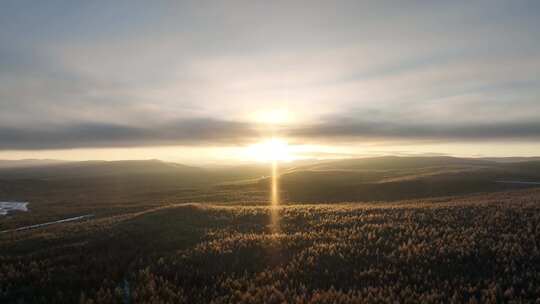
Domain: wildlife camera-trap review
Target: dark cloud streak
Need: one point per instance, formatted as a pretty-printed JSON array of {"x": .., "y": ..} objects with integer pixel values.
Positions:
[
  {"x": 202, "y": 131},
  {"x": 344, "y": 129},
  {"x": 212, "y": 132}
]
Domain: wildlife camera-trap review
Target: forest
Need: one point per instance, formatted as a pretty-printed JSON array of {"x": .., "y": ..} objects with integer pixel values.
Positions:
[{"x": 471, "y": 248}]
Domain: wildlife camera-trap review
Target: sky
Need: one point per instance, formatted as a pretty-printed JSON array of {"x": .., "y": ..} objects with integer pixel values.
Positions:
[{"x": 205, "y": 81}]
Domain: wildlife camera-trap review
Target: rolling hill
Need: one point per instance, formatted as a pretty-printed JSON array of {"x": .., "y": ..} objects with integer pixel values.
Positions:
[
  {"x": 379, "y": 178},
  {"x": 391, "y": 178}
]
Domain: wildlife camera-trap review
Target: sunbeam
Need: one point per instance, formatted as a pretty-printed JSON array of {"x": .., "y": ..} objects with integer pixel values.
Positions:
[{"x": 275, "y": 200}]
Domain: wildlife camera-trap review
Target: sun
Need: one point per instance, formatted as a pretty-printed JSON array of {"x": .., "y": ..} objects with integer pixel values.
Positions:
[
  {"x": 273, "y": 117},
  {"x": 274, "y": 149}
]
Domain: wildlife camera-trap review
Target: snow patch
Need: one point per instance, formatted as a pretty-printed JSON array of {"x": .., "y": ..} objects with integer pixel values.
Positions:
[{"x": 6, "y": 207}]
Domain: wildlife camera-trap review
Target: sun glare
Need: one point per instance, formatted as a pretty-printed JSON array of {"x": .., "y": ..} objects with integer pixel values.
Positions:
[
  {"x": 274, "y": 149},
  {"x": 273, "y": 117}
]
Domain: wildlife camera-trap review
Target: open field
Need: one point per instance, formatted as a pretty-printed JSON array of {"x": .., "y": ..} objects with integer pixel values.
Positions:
[{"x": 474, "y": 248}]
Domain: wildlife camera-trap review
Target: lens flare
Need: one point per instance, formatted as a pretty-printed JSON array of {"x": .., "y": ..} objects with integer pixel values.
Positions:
[{"x": 274, "y": 207}]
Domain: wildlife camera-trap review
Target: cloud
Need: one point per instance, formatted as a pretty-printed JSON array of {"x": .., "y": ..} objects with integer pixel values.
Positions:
[
  {"x": 200, "y": 131},
  {"x": 340, "y": 129},
  {"x": 212, "y": 132},
  {"x": 106, "y": 74}
]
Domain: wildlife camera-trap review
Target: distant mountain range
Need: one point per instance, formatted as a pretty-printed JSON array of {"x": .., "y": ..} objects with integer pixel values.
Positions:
[{"x": 28, "y": 163}]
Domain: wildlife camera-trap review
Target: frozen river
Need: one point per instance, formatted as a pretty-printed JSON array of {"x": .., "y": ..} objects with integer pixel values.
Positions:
[
  {"x": 6, "y": 207},
  {"x": 67, "y": 220}
]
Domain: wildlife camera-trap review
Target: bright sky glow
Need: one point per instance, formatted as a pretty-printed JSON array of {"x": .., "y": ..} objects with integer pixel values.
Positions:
[
  {"x": 270, "y": 150},
  {"x": 274, "y": 117}
]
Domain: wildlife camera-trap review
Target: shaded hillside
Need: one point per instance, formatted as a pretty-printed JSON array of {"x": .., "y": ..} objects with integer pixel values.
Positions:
[
  {"x": 90, "y": 169},
  {"x": 398, "y": 163},
  {"x": 391, "y": 178}
]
